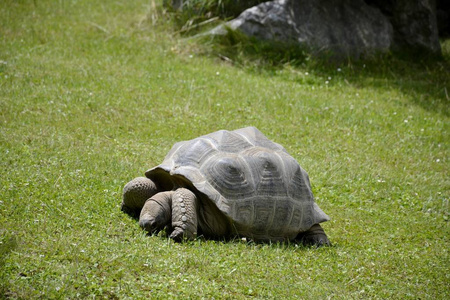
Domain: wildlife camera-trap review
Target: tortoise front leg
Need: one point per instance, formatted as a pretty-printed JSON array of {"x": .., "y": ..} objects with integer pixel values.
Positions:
[{"x": 184, "y": 215}]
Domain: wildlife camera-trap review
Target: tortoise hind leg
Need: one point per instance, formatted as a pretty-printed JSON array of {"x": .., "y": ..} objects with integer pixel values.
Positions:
[{"x": 314, "y": 236}]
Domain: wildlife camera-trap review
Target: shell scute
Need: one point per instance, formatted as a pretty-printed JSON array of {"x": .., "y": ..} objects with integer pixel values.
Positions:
[
  {"x": 192, "y": 154},
  {"x": 228, "y": 141},
  {"x": 228, "y": 176},
  {"x": 264, "y": 214},
  {"x": 299, "y": 186},
  {"x": 267, "y": 171}
]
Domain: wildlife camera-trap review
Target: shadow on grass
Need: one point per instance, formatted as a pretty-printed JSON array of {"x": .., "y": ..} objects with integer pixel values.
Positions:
[
  {"x": 237, "y": 240},
  {"x": 425, "y": 80},
  {"x": 8, "y": 243}
]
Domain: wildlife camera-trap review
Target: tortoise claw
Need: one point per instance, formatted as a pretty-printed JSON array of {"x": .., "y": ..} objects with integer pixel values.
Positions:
[
  {"x": 177, "y": 235},
  {"x": 315, "y": 236}
]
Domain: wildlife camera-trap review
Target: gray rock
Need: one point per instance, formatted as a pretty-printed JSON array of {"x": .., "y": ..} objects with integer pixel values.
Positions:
[
  {"x": 414, "y": 23},
  {"x": 349, "y": 28},
  {"x": 345, "y": 28}
]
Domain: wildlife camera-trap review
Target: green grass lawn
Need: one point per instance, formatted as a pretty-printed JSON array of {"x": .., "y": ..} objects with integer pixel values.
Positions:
[{"x": 92, "y": 93}]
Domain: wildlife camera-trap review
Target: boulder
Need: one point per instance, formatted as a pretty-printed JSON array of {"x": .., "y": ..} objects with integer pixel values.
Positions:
[
  {"x": 348, "y": 28},
  {"x": 414, "y": 23},
  {"x": 345, "y": 28}
]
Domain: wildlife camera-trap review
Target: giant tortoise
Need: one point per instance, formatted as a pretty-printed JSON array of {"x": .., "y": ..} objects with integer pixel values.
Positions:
[{"x": 227, "y": 184}]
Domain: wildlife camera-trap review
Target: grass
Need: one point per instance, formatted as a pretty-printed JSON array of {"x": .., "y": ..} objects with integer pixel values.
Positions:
[{"x": 92, "y": 93}]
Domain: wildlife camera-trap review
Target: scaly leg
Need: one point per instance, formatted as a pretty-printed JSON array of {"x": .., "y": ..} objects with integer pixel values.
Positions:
[
  {"x": 135, "y": 193},
  {"x": 184, "y": 215}
]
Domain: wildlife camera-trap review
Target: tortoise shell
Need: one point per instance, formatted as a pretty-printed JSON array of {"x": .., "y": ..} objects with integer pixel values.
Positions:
[{"x": 253, "y": 181}]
